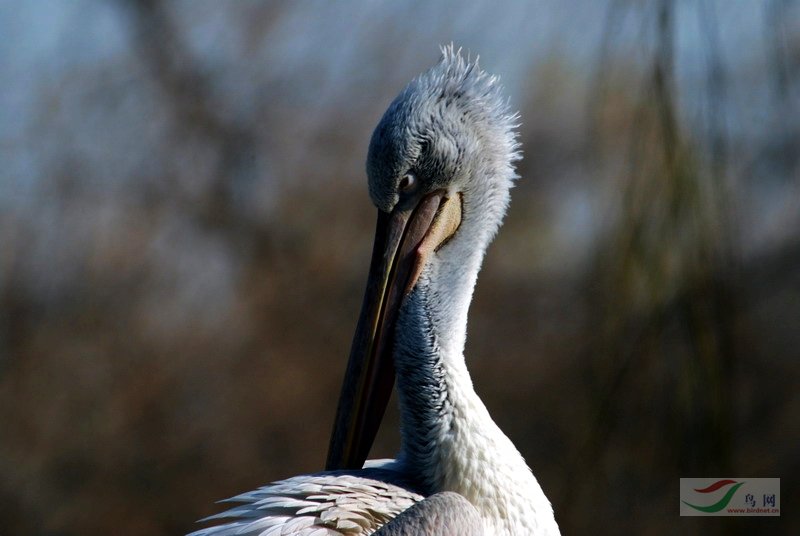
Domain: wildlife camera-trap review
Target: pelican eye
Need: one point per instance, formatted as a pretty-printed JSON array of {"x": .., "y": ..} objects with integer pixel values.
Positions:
[{"x": 407, "y": 183}]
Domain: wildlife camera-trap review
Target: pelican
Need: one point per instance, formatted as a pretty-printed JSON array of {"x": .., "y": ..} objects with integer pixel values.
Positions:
[{"x": 440, "y": 167}]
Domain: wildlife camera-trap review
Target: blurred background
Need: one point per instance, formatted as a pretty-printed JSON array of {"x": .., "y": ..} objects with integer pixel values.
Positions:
[{"x": 185, "y": 233}]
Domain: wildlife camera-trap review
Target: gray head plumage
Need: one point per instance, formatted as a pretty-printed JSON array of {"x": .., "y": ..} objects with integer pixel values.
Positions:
[{"x": 451, "y": 128}]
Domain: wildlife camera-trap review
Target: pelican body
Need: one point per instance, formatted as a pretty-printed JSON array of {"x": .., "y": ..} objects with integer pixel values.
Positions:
[{"x": 440, "y": 168}]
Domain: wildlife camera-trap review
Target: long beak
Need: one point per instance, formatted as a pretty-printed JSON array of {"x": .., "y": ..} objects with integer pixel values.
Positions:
[{"x": 404, "y": 240}]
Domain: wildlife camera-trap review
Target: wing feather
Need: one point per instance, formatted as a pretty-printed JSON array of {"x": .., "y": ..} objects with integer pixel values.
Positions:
[{"x": 323, "y": 504}]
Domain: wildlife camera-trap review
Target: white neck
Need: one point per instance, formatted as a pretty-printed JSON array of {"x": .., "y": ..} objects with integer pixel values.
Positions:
[{"x": 450, "y": 442}]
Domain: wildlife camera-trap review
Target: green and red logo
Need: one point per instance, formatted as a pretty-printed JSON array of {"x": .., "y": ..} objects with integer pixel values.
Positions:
[
  {"x": 730, "y": 497},
  {"x": 723, "y": 502}
]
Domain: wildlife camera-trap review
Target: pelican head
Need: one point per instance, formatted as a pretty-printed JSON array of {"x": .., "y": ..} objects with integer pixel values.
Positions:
[
  {"x": 449, "y": 130},
  {"x": 440, "y": 167}
]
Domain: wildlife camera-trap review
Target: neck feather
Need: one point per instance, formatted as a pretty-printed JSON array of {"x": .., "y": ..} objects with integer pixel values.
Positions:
[{"x": 450, "y": 442}]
